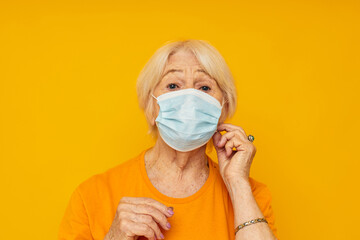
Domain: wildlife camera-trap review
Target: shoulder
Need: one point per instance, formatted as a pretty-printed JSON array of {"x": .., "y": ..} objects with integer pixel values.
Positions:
[{"x": 103, "y": 180}]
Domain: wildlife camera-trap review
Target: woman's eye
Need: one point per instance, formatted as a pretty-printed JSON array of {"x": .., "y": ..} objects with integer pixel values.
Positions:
[
  {"x": 205, "y": 88},
  {"x": 172, "y": 86}
]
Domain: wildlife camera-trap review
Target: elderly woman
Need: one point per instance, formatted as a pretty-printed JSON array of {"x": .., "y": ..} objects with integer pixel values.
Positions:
[{"x": 174, "y": 190}]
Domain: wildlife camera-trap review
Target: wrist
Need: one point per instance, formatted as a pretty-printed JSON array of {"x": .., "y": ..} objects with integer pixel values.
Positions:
[
  {"x": 237, "y": 181},
  {"x": 238, "y": 187}
]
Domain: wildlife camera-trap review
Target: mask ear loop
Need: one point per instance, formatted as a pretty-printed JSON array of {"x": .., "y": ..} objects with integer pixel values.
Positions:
[
  {"x": 223, "y": 103},
  {"x": 154, "y": 97},
  {"x": 157, "y": 101}
]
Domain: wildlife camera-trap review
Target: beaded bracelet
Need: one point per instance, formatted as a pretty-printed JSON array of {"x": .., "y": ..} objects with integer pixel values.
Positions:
[{"x": 257, "y": 220}]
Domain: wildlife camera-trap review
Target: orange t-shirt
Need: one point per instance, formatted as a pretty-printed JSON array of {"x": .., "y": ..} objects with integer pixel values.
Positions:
[{"x": 207, "y": 214}]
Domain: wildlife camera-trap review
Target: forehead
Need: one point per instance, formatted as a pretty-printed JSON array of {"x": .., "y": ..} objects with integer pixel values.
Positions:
[{"x": 182, "y": 58}]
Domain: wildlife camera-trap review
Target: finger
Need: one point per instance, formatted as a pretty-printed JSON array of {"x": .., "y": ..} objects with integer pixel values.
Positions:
[
  {"x": 216, "y": 139},
  {"x": 158, "y": 216},
  {"x": 220, "y": 151},
  {"x": 141, "y": 229},
  {"x": 229, "y": 127},
  {"x": 133, "y": 229},
  {"x": 239, "y": 132},
  {"x": 226, "y": 137},
  {"x": 230, "y": 145},
  {"x": 148, "y": 220},
  {"x": 148, "y": 201}
]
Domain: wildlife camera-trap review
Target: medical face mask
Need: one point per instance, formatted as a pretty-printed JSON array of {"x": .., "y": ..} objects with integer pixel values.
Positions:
[{"x": 187, "y": 118}]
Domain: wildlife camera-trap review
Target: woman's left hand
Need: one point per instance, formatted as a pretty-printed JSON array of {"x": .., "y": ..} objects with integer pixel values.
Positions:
[{"x": 234, "y": 165}]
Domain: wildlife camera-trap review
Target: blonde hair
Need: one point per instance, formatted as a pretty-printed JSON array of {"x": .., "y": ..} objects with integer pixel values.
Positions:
[{"x": 207, "y": 55}]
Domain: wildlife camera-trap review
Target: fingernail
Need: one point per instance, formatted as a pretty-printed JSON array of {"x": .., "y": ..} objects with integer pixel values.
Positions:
[
  {"x": 162, "y": 236},
  {"x": 168, "y": 225},
  {"x": 170, "y": 210}
]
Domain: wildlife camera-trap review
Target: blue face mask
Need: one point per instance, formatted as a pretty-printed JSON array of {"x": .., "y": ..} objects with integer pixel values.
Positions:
[{"x": 187, "y": 119}]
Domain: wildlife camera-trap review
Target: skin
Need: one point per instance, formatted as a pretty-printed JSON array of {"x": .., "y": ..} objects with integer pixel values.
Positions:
[{"x": 181, "y": 174}]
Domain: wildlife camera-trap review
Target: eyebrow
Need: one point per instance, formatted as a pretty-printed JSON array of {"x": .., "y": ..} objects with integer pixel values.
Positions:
[{"x": 179, "y": 70}]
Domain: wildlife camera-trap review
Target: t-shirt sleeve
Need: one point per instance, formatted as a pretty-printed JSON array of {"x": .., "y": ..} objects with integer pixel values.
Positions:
[
  {"x": 75, "y": 222},
  {"x": 264, "y": 200}
]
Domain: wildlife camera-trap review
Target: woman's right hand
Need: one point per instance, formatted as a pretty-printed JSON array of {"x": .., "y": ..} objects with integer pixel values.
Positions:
[{"x": 139, "y": 216}]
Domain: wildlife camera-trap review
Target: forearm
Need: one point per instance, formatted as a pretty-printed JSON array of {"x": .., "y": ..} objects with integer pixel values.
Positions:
[{"x": 245, "y": 209}]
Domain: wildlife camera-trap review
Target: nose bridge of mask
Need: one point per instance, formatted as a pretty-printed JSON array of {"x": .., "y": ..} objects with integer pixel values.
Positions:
[{"x": 191, "y": 91}]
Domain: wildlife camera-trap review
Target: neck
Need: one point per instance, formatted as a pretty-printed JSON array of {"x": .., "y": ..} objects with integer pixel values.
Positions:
[{"x": 176, "y": 166}]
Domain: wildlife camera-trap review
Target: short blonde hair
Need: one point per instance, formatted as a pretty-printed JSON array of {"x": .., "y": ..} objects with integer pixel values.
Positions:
[{"x": 207, "y": 55}]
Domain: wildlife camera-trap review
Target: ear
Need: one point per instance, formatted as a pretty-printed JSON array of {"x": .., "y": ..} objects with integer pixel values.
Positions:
[
  {"x": 224, "y": 112},
  {"x": 154, "y": 111},
  {"x": 150, "y": 111}
]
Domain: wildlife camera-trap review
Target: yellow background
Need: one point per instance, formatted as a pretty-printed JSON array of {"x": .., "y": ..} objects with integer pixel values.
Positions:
[{"x": 69, "y": 110}]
